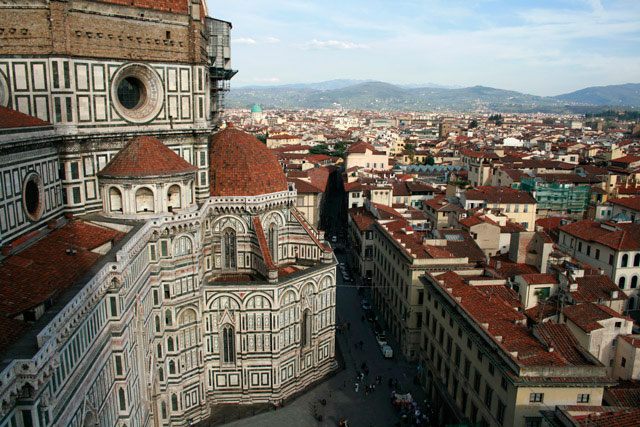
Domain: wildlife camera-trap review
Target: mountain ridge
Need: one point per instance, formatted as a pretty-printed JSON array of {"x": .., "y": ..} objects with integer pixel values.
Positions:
[{"x": 375, "y": 95}]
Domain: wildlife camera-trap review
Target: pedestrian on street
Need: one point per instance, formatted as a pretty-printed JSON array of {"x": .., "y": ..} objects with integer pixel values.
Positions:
[{"x": 357, "y": 387}]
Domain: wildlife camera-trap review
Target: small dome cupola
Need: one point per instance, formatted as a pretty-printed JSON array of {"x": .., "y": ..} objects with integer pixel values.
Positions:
[{"x": 146, "y": 178}]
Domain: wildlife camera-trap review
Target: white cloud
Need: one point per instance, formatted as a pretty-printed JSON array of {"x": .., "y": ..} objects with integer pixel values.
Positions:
[
  {"x": 244, "y": 41},
  {"x": 272, "y": 40},
  {"x": 333, "y": 44}
]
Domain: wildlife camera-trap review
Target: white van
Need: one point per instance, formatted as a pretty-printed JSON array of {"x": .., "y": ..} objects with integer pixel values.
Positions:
[{"x": 387, "y": 351}]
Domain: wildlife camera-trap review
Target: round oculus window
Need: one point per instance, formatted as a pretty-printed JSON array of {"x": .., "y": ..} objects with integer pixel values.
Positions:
[
  {"x": 33, "y": 196},
  {"x": 137, "y": 93},
  {"x": 131, "y": 93},
  {"x": 4, "y": 90}
]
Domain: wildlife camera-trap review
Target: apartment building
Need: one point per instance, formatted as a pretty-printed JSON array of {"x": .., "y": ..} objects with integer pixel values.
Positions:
[
  {"x": 612, "y": 247},
  {"x": 519, "y": 206},
  {"x": 481, "y": 363},
  {"x": 400, "y": 256}
]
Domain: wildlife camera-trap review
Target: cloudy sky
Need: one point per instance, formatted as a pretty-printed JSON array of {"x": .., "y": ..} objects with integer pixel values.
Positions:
[{"x": 543, "y": 47}]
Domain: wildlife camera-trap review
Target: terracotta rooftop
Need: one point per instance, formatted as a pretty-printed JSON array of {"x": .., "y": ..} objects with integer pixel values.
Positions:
[
  {"x": 538, "y": 279},
  {"x": 587, "y": 316},
  {"x": 625, "y": 394},
  {"x": 44, "y": 270},
  {"x": 618, "y": 417},
  {"x": 627, "y": 202},
  {"x": 594, "y": 288},
  {"x": 10, "y": 119},
  {"x": 499, "y": 195},
  {"x": 621, "y": 236},
  {"x": 146, "y": 156},
  {"x": 362, "y": 218},
  {"x": 505, "y": 323},
  {"x": 241, "y": 165}
]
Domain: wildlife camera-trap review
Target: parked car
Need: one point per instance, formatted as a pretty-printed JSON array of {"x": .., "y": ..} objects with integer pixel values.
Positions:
[
  {"x": 365, "y": 304},
  {"x": 381, "y": 338},
  {"x": 334, "y": 239},
  {"x": 387, "y": 351}
]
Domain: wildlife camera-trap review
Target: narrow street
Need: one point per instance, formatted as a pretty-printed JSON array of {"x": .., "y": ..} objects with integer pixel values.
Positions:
[{"x": 342, "y": 401}]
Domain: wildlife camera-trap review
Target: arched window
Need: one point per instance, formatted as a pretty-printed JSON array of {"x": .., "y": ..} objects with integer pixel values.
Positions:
[
  {"x": 174, "y": 402},
  {"x": 163, "y": 410},
  {"x": 172, "y": 367},
  {"x": 157, "y": 323},
  {"x": 167, "y": 317},
  {"x": 621, "y": 282},
  {"x": 115, "y": 200},
  {"x": 634, "y": 282},
  {"x": 229, "y": 248},
  {"x": 122, "y": 399},
  {"x": 161, "y": 374},
  {"x": 272, "y": 238},
  {"x": 631, "y": 304},
  {"x": 169, "y": 344},
  {"x": 228, "y": 344},
  {"x": 159, "y": 351},
  {"x": 174, "y": 198},
  {"x": 183, "y": 246},
  {"x": 306, "y": 328},
  {"x": 144, "y": 200},
  {"x": 636, "y": 260},
  {"x": 625, "y": 260}
]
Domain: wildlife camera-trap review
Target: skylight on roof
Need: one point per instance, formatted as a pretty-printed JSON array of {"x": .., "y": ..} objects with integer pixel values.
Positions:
[{"x": 454, "y": 237}]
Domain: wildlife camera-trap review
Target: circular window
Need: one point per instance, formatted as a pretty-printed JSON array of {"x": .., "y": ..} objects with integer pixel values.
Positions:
[
  {"x": 131, "y": 93},
  {"x": 4, "y": 90},
  {"x": 137, "y": 93},
  {"x": 33, "y": 196}
]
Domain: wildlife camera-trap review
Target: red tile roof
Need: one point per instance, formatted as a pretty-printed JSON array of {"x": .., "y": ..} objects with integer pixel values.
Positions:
[
  {"x": 45, "y": 270},
  {"x": 362, "y": 217},
  {"x": 10, "y": 331},
  {"x": 241, "y": 165},
  {"x": 500, "y": 319},
  {"x": 625, "y": 237},
  {"x": 627, "y": 417},
  {"x": 304, "y": 186},
  {"x": 538, "y": 279},
  {"x": 626, "y": 393},
  {"x": 146, "y": 156},
  {"x": 594, "y": 288},
  {"x": 499, "y": 195},
  {"x": 587, "y": 315},
  {"x": 562, "y": 339},
  {"x": 628, "y": 202},
  {"x": 10, "y": 119}
]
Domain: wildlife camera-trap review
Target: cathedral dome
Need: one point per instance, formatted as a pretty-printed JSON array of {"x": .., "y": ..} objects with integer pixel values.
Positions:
[
  {"x": 241, "y": 165},
  {"x": 256, "y": 109}
]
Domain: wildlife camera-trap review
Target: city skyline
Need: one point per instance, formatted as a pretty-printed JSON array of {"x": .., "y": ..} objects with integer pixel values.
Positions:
[{"x": 547, "y": 48}]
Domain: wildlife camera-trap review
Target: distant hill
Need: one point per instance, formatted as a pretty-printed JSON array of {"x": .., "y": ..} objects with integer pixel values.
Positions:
[
  {"x": 326, "y": 85},
  {"x": 617, "y": 95},
  {"x": 371, "y": 95}
]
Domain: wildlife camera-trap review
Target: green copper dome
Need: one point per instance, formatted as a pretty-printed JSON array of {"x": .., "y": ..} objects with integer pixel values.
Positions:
[{"x": 256, "y": 109}]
